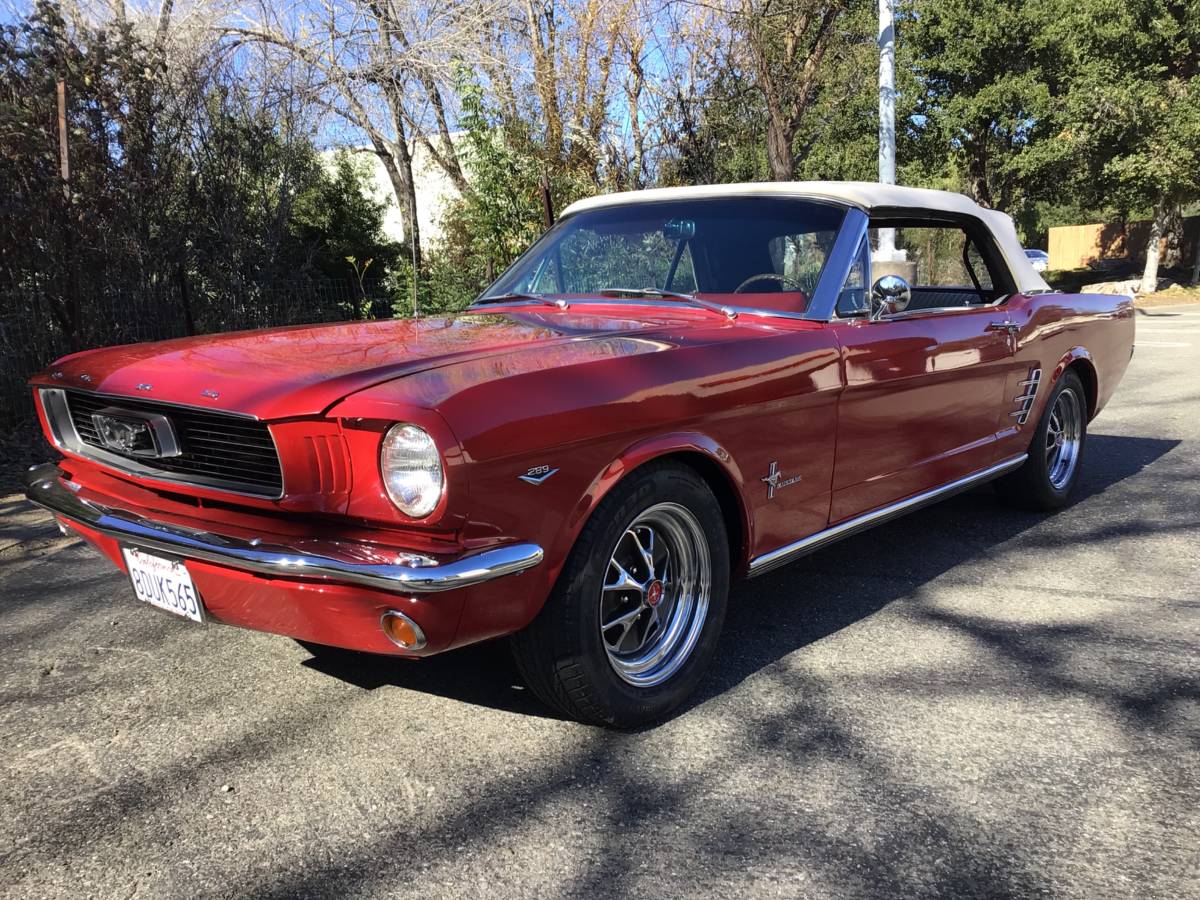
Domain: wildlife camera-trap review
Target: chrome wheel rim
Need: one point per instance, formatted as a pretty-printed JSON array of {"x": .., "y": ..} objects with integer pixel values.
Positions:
[
  {"x": 655, "y": 596},
  {"x": 1063, "y": 437}
]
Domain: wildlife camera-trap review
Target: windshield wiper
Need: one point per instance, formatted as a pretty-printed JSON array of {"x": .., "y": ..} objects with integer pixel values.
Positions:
[
  {"x": 726, "y": 311},
  {"x": 519, "y": 295}
]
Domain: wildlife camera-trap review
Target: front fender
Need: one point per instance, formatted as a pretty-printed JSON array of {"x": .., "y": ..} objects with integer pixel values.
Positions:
[
  {"x": 560, "y": 513},
  {"x": 682, "y": 444}
]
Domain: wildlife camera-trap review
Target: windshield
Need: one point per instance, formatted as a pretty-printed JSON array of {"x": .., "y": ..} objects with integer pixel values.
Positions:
[{"x": 762, "y": 252}]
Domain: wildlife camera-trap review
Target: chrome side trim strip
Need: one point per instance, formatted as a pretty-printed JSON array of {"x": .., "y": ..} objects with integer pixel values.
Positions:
[
  {"x": 417, "y": 574},
  {"x": 784, "y": 555}
]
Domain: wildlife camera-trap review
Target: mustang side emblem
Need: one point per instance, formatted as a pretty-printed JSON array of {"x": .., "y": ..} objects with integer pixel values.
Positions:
[
  {"x": 537, "y": 474},
  {"x": 209, "y": 393},
  {"x": 774, "y": 480}
]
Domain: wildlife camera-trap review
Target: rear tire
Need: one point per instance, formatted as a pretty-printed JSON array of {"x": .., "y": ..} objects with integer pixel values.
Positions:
[
  {"x": 635, "y": 616},
  {"x": 1049, "y": 476}
]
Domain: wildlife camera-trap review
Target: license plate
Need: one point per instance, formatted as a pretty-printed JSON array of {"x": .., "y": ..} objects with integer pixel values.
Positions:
[{"x": 164, "y": 583}]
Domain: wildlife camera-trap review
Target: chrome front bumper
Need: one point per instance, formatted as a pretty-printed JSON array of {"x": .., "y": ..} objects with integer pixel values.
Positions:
[{"x": 409, "y": 573}]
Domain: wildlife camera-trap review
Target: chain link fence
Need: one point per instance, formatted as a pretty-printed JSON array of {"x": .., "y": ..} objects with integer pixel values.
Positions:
[{"x": 31, "y": 337}]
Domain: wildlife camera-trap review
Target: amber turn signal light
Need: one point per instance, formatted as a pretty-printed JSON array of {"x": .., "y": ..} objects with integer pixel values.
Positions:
[{"x": 402, "y": 631}]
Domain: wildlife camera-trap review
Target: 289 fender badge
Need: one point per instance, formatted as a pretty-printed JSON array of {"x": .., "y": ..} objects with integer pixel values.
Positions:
[
  {"x": 537, "y": 474},
  {"x": 209, "y": 393}
]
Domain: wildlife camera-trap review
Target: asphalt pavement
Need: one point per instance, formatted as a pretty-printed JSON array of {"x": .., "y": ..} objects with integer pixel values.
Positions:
[{"x": 971, "y": 701}]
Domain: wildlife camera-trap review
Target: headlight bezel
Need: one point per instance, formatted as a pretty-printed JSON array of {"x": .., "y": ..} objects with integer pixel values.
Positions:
[{"x": 401, "y": 438}]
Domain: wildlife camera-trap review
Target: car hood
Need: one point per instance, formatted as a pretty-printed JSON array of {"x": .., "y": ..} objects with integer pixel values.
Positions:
[{"x": 303, "y": 370}]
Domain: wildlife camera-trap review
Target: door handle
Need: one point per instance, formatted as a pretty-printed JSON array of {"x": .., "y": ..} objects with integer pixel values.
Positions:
[{"x": 1007, "y": 327}]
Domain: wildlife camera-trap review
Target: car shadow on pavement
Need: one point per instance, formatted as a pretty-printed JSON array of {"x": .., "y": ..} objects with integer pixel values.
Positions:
[
  {"x": 778, "y": 614},
  {"x": 482, "y": 674}
]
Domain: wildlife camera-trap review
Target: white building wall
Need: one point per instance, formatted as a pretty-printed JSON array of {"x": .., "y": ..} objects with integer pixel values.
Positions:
[{"x": 435, "y": 192}]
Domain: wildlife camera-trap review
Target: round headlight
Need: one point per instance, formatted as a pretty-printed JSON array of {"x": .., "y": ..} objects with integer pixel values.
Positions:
[{"x": 412, "y": 470}]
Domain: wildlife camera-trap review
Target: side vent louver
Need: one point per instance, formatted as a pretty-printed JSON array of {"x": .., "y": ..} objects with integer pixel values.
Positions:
[
  {"x": 327, "y": 462},
  {"x": 1029, "y": 388}
]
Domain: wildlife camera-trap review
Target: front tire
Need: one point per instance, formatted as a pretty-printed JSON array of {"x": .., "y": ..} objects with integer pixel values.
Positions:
[
  {"x": 635, "y": 616},
  {"x": 1048, "y": 477}
]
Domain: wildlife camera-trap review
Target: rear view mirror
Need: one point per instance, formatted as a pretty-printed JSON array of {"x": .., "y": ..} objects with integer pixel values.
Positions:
[{"x": 679, "y": 229}]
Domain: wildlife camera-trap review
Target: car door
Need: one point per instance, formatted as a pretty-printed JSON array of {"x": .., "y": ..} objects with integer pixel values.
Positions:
[{"x": 924, "y": 388}]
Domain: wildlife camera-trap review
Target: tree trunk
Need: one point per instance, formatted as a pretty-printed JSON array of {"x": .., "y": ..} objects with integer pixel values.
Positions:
[
  {"x": 66, "y": 306},
  {"x": 1196, "y": 260},
  {"x": 185, "y": 299},
  {"x": 547, "y": 202},
  {"x": 1153, "y": 248},
  {"x": 637, "y": 162},
  {"x": 1173, "y": 254},
  {"x": 977, "y": 167},
  {"x": 779, "y": 149},
  {"x": 407, "y": 195},
  {"x": 543, "y": 48},
  {"x": 401, "y": 178}
]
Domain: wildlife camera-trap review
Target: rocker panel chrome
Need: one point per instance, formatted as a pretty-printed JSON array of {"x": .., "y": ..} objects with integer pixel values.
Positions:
[{"x": 786, "y": 554}]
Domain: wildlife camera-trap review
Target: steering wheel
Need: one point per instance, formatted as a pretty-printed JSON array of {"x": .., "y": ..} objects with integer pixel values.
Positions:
[{"x": 770, "y": 276}]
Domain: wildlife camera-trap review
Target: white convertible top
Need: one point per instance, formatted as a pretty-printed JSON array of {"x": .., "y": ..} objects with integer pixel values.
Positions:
[{"x": 866, "y": 195}]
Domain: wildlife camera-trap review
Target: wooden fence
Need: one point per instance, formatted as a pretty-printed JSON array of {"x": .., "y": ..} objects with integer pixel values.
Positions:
[{"x": 1079, "y": 246}]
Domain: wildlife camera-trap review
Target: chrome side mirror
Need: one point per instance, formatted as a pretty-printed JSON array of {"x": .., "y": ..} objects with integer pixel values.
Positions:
[{"x": 891, "y": 294}]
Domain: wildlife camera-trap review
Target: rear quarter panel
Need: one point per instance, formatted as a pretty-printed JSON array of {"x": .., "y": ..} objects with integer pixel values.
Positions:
[{"x": 1093, "y": 331}]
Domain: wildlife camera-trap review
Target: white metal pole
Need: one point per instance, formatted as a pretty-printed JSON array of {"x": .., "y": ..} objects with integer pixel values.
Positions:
[{"x": 887, "y": 113}]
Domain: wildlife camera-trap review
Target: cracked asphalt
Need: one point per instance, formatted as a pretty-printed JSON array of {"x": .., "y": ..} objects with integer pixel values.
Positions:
[{"x": 971, "y": 701}]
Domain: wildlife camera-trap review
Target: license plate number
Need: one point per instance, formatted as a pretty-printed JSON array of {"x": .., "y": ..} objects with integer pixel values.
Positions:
[{"x": 164, "y": 583}]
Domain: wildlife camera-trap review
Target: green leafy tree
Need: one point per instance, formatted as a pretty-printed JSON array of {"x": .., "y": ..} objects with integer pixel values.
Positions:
[
  {"x": 502, "y": 210},
  {"x": 338, "y": 224},
  {"x": 192, "y": 201},
  {"x": 984, "y": 74},
  {"x": 724, "y": 133},
  {"x": 1128, "y": 128}
]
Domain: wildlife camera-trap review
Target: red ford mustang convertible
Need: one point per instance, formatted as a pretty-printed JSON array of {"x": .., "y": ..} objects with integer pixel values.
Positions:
[{"x": 670, "y": 389}]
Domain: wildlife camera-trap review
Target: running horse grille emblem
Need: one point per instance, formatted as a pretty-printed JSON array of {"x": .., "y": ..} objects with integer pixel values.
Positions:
[
  {"x": 1029, "y": 389},
  {"x": 135, "y": 434}
]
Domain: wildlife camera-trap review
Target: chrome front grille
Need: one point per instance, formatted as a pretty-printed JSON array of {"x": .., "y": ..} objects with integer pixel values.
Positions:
[{"x": 217, "y": 450}]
